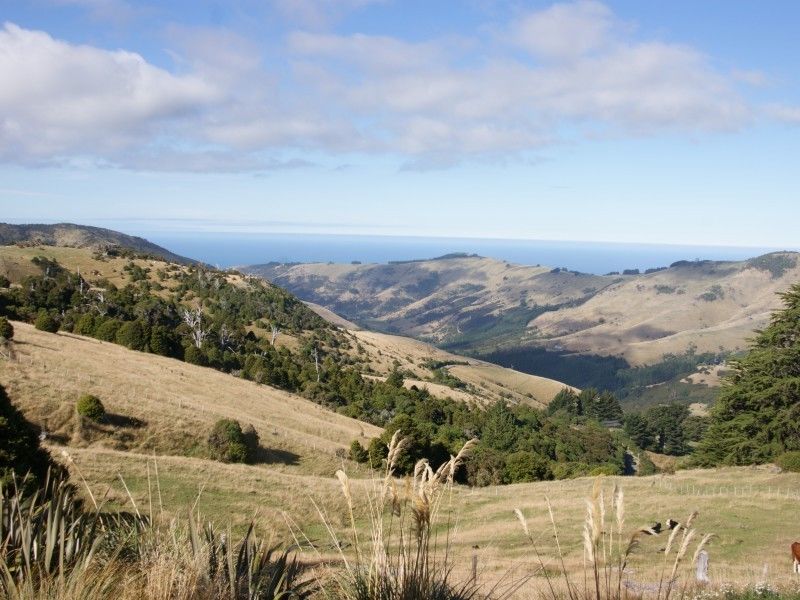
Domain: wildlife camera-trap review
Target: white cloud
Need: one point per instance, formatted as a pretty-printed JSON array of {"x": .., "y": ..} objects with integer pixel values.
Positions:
[
  {"x": 564, "y": 31},
  {"x": 570, "y": 70},
  {"x": 60, "y": 100}
]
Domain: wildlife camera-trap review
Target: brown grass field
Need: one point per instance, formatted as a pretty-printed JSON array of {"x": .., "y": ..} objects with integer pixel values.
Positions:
[{"x": 751, "y": 511}]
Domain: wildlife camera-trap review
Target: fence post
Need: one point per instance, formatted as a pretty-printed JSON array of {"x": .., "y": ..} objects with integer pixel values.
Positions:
[
  {"x": 702, "y": 567},
  {"x": 474, "y": 565}
]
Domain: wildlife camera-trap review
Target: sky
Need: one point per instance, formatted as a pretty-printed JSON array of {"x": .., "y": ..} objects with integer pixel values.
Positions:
[{"x": 667, "y": 122}]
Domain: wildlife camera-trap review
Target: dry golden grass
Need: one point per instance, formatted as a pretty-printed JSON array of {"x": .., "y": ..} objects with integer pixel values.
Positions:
[
  {"x": 176, "y": 402},
  {"x": 488, "y": 382},
  {"x": 750, "y": 510}
]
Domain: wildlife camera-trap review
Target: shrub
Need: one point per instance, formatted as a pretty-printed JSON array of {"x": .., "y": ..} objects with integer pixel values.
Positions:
[
  {"x": 789, "y": 461},
  {"x": 6, "y": 329},
  {"x": 227, "y": 442},
  {"x": 4, "y": 282},
  {"x": 195, "y": 356},
  {"x": 107, "y": 330},
  {"x": 85, "y": 325},
  {"x": 46, "y": 322},
  {"x": 526, "y": 466},
  {"x": 358, "y": 453},
  {"x": 646, "y": 466},
  {"x": 91, "y": 407},
  {"x": 132, "y": 335}
]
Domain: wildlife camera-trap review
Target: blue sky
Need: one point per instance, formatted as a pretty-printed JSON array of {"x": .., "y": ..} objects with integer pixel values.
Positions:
[{"x": 620, "y": 121}]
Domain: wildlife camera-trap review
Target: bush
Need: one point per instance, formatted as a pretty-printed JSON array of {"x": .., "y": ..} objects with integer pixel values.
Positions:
[
  {"x": 526, "y": 466},
  {"x": 89, "y": 406},
  {"x": 195, "y": 356},
  {"x": 107, "y": 330},
  {"x": 4, "y": 282},
  {"x": 789, "y": 461},
  {"x": 84, "y": 325},
  {"x": 227, "y": 442},
  {"x": 46, "y": 322},
  {"x": 358, "y": 453},
  {"x": 132, "y": 335},
  {"x": 646, "y": 466},
  {"x": 6, "y": 329}
]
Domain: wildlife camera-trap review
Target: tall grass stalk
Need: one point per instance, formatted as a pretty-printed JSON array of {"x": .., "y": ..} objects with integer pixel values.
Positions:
[
  {"x": 400, "y": 556},
  {"x": 607, "y": 551}
]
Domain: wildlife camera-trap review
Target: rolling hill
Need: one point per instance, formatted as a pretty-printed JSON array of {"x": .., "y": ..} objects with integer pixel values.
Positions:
[
  {"x": 71, "y": 235},
  {"x": 381, "y": 353},
  {"x": 481, "y": 305}
]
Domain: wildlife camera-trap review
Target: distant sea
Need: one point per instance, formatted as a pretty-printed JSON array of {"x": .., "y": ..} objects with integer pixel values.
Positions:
[{"x": 236, "y": 249}]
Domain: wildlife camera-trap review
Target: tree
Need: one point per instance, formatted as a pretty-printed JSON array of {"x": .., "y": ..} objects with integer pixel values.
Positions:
[
  {"x": 197, "y": 330},
  {"x": 6, "y": 329},
  {"x": 526, "y": 466},
  {"x": 358, "y": 453},
  {"x": 20, "y": 452},
  {"x": 500, "y": 431},
  {"x": 46, "y": 322},
  {"x": 638, "y": 429},
  {"x": 132, "y": 334},
  {"x": 757, "y": 416},
  {"x": 395, "y": 378}
]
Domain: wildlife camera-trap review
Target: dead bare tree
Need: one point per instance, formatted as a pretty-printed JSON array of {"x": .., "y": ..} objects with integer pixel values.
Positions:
[
  {"x": 194, "y": 319},
  {"x": 275, "y": 331},
  {"x": 225, "y": 337},
  {"x": 316, "y": 361}
]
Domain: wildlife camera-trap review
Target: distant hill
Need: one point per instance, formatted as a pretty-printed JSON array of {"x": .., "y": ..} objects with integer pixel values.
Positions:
[
  {"x": 482, "y": 305},
  {"x": 69, "y": 235}
]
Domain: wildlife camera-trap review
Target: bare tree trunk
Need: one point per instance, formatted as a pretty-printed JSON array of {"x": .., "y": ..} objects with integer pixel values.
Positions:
[
  {"x": 316, "y": 361},
  {"x": 275, "y": 332}
]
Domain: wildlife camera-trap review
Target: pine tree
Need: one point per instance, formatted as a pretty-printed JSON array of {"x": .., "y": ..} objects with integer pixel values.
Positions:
[{"x": 757, "y": 416}]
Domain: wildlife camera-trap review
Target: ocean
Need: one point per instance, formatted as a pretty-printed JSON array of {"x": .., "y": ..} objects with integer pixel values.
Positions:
[{"x": 236, "y": 249}]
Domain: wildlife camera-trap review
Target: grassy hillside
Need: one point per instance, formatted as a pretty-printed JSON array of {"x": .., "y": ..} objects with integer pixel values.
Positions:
[
  {"x": 81, "y": 236},
  {"x": 482, "y": 305}
]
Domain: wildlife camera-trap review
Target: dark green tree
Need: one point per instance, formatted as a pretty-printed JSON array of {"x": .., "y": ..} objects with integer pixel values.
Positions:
[
  {"x": 638, "y": 429},
  {"x": 526, "y": 466},
  {"x": 757, "y": 415},
  {"x": 46, "y": 322},
  {"x": 20, "y": 452},
  {"x": 6, "y": 329},
  {"x": 501, "y": 430}
]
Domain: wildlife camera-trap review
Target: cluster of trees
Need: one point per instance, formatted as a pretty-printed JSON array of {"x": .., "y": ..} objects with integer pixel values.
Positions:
[
  {"x": 516, "y": 443},
  {"x": 666, "y": 429},
  {"x": 229, "y": 323}
]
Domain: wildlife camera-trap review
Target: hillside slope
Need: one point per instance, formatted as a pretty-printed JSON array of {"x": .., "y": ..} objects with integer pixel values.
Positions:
[
  {"x": 81, "y": 236},
  {"x": 479, "y": 304},
  {"x": 160, "y": 404},
  {"x": 486, "y": 383}
]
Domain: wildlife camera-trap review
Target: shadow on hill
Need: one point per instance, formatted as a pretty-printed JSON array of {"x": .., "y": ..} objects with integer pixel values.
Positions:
[
  {"x": 266, "y": 456},
  {"x": 123, "y": 421},
  {"x": 21, "y": 343}
]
